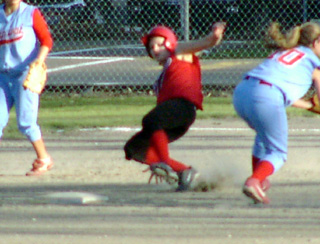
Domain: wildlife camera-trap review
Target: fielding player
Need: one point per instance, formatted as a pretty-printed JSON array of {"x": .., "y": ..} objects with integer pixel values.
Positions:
[
  {"x": 21, "y": 27},
  {"x": 265, "y": 92},
  {"x": 179, "y": 95}
]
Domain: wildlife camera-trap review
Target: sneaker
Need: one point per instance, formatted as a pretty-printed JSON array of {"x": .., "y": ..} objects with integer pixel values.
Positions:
[
  {"x": 252, "y": 188},
  {"x": 164, "y": 171},
  {"x": 187, "y": 179},
  {"x": 40, "y": 166}
]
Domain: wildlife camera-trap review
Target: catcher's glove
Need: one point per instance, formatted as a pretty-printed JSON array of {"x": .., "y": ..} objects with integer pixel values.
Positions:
[
  {"x": 36, "y": 77},
  {"x": 316, "y": 104}
]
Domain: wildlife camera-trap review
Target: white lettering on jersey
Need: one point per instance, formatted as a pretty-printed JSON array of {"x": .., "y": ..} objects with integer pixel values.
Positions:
[
  {"x": 291, "y": 57},
  {"x": 11, "y": 36}
]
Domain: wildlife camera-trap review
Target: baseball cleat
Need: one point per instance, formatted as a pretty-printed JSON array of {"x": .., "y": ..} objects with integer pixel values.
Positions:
[
  {"x": 187, "y": 179},
  {"x": 164, "y": 171},
  {"x": 40, "y": 166},
  {"x": 252, "y": 188}
]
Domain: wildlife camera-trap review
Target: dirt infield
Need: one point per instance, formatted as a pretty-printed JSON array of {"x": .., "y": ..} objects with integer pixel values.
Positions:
[{"x": 135, "y": 212}]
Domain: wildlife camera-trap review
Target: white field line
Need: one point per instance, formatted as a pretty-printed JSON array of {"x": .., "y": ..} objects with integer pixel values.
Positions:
[
  {"x": 130, "y": 46},
  {"x": 95, "y": 49},
  {"x": 74, "y": 66},
  {"x": 117, "y": 59},
  {"x": 86, "y": 57},
  {"x": 130, "y": 129}
]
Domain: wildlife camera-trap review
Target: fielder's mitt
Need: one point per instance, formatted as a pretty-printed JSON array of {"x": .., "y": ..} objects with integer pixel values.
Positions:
[
  {"x": 316, "y": 104},
  {"x": 36, "y": 78}
]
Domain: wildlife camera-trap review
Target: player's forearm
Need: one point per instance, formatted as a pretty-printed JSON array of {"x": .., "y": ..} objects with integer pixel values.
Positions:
[
  {"x": 316, "y": 80},
  {"x": 194, "y": 46},
  {"x": 302, "y": 104},
  {"x": 214, "y": 38},
  {"x": 43, "y": 53}
]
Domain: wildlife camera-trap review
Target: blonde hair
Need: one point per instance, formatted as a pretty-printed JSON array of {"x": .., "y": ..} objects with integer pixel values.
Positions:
[{"x": 304, "y": 35}]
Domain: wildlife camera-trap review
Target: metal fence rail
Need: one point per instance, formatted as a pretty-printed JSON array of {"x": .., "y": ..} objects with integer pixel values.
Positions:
[{"x": 97, "y": 43}]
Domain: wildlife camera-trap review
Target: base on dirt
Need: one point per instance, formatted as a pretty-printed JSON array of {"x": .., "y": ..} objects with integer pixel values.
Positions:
[{"x": 73, "y": 198}]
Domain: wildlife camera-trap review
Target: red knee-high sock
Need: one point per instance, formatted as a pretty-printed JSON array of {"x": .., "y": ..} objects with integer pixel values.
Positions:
[
  {"x": 255, "y": 162},
  {"x": 263, "y": 170},
  {"x": 159, "y": 140},
  {"x": 152, "y": 156},
  {"x": 177, "y": 166}
]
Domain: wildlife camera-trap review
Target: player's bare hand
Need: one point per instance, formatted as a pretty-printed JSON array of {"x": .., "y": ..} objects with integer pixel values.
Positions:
[{"x": 218, "y": 30}]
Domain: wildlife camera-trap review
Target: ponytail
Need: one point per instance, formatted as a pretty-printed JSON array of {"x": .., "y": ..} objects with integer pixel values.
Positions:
[
  {"x": 299, "y": 35},
  {"x": 286, "y": 40}
]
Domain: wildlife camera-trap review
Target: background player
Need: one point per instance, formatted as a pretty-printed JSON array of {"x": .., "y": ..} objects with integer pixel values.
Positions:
[
  {"x": 265, "y": 92},
  {"x": 179, "y": 95},
  {"x": 21, "y": 27}
]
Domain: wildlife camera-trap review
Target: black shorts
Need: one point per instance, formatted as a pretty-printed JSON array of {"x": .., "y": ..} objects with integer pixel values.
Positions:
[{"x": 173, "y": 116}]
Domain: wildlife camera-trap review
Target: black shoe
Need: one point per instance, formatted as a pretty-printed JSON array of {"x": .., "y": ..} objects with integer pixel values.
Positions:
[{"x": 187, "y": 179}]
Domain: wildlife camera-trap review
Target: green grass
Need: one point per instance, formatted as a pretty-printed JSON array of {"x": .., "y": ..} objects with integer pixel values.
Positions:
[{"x": 71, "y": 113}]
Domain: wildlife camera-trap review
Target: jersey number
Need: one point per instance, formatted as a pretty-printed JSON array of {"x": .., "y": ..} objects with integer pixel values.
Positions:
[{"x": 291, "y": 57}]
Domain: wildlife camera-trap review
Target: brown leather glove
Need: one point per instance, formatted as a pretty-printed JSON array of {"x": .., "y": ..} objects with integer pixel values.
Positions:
[
  {"x": 315, "y": 102},
  {"x": 36, "y": 78}
]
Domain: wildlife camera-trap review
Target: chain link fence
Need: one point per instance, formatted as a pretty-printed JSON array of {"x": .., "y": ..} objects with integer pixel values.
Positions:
[{"x": 97, "y": 43}]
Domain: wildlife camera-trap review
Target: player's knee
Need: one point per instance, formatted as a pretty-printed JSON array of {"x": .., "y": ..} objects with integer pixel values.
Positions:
[
  {"x": 33, "y": 133},
  {"x": 131, "y": 154},
  {"x": 277, "y": 159},
  {"x": 127, "y": 151}
]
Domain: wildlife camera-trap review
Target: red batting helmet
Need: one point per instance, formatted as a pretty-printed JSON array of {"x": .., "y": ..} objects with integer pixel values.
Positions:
[{"x": 171, "y": 39}]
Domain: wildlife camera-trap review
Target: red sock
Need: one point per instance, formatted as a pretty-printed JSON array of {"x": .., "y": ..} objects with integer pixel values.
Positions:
[
  {"x": 255, "y": 162},
  {"x": 159, "y": 140},
  {"x": 177, "y": 166},
  {"x": 263, "y": 170},
  {"x": 151, "y": 156}
]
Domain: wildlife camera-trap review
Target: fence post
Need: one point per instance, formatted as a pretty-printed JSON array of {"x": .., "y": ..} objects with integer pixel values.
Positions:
[
  {"x": 305, "y": 10},
  {"x": 184, "y": 15}
]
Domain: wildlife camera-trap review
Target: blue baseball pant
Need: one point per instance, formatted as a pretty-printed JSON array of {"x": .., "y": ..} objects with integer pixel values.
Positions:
[
  {"x": 263, "y": 108},
  {"x": 26, "y": 104}
]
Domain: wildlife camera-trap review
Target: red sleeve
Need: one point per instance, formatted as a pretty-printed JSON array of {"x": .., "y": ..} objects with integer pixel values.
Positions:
[{"x": 41, "y": 29}]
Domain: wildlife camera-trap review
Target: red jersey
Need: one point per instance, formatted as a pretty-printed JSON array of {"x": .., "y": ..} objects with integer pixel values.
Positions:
[{"x": 180, "y": 79}]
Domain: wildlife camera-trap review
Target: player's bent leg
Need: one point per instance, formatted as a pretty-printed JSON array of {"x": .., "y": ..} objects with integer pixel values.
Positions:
[
  {"x": 136, "y": 147},
  {"x": 44, "y": 162},
  {"x": 5, "y": 106}
]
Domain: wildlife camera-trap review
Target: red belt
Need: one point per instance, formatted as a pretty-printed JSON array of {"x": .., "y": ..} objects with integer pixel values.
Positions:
[{"x": 262, "y": 82}]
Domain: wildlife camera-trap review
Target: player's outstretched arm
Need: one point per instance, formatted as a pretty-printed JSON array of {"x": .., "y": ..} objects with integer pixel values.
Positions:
[
  {"x": 304, "y": 104},
  {"x": 315, "y": 108},
  {"x": 214, "y": 38},
  {"x": 316, "y": 80},
  {"x": 313, "y": 104}
]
